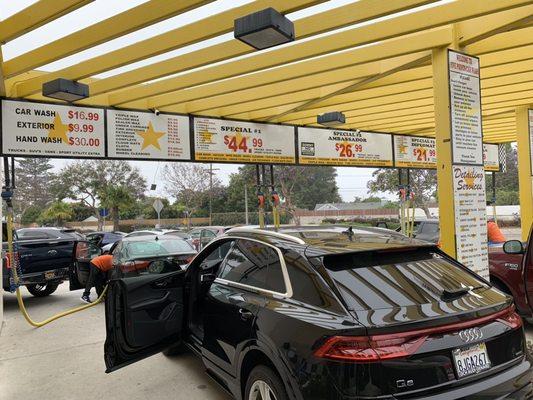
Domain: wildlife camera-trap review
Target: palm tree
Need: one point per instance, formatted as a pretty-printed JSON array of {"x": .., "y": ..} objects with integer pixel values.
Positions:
[{"x": 114, "y": 198}]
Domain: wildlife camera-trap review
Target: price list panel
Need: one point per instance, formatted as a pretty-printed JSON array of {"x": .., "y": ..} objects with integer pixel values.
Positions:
[
  {"x": 51, "y": 130},
  {"x": 218, "y": 140},
  {"x": 414, "y": 152},
  {"x": 146, "y": 136},
  {"x": 344, "y": 148}
]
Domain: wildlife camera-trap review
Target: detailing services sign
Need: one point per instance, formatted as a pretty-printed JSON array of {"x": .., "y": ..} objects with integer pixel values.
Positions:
[
  {"x": 146, "y": 136},
  {"x": 465, "y": 107},
  {"x": 217, "y": 140},
  {"x": 344, "y": 148},
  {"x": 415, "y": 152},
  {"x": 470, "y": 218},
  {"x": 51, "y": 130}
]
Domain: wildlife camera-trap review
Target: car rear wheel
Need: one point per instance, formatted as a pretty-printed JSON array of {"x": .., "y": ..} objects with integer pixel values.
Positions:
[
  {"x": 264, "y": 384},
  {"x": 42, "y": 290}
]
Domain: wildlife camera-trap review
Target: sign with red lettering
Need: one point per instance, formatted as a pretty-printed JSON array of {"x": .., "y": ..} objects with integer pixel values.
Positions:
[
  {"x": 414, "y": 152},
  {"x": 52, "y": 130}
]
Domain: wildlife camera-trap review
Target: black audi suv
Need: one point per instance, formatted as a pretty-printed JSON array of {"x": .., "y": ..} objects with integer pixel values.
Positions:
[{"x": 325, "y": 313}]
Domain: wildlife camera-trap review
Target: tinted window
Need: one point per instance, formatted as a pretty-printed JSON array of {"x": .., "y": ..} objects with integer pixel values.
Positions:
[
  {"x": 156, "y": 248},
  {"x": 32, "y": 235},
  {"x": 135, "y": 234},
  {"x": 429, "y": 228},
  {"x": 373, "y": 281},
  {"x": 254, "y": 264}
]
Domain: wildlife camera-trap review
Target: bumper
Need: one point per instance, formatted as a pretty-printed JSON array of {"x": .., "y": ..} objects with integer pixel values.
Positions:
[
  {"x": 512, "y": 384},
  {"x": 54, "y": 275}
]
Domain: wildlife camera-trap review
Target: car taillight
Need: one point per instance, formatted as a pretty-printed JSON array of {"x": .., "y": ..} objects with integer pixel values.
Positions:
[
  {"x": 511, "y": 319},
  {"x": 402, "y": 344},
  {"x": 369, "y": 348},
  {"x": 9, "y": 261}
]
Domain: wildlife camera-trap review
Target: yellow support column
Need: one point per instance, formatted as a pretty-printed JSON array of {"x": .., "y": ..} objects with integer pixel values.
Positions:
[
  {"x": 444, "y": 150},
  {"x": 524, "y": 137}
]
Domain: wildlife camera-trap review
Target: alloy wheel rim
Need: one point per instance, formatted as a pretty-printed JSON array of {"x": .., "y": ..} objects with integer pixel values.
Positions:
[{"x": 261, "y": 391}]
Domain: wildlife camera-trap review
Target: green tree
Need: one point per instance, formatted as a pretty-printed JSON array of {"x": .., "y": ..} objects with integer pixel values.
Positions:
[
  {"x": 56, "y": 214},
  {"x": 423, "y": 184},
  {"x": 114, "y": 198},
  {"x": 90, "y": 181},
  {"x": 32, "y": 179},
  {"x": 31, "y": 215}
]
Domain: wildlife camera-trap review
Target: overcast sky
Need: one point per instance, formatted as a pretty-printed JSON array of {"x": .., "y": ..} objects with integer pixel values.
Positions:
[{"x": 351, "y": 181}]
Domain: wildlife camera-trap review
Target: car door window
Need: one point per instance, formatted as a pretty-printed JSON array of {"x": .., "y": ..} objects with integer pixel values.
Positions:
[{"x": 255, "y": 265}]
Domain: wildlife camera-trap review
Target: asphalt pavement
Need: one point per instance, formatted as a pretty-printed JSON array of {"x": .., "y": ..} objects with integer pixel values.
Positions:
[{"x": 64, "y": 360}]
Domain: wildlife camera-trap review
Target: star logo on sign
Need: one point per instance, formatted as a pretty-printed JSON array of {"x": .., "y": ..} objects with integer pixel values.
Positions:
[
  {"x": 150, "y": 137},
  {"x": 59, "y": 131},
  {"x": 403, "y": 149},
  {"x": 470, "y": 181}
]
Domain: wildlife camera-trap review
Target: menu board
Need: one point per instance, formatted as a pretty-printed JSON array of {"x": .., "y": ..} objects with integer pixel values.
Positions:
[
  {"x": 530, "y": 119},
  {"x": 217, "y": 140},
  {"x": 52, "y": 130},
  {"x": 471, "y": 218},
  {"x": 415, "y": 152},
  {"x": 465, "y": 107},
  {"x": 146, "y": 136},
  {"x": 344, "y": 148},
  {"x": 491, "y": 157}
]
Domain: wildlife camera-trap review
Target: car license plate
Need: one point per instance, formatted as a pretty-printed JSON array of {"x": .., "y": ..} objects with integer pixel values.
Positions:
[
  {"x": 49, "y": 275},
  {"x": 471, "y": 360}
]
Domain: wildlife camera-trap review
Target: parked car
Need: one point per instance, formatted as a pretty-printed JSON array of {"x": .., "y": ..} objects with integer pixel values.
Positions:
[
  {"x": 46, "y": 256},
  {"x": 511, "y": 271},
  {"x": 102, "y": 239},
  {"x": 139, "y": 255},
  {"x": 201, "y": 236},
  {"x": 325, "y": 314}
]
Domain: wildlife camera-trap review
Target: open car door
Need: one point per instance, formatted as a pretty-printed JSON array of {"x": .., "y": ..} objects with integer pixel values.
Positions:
[
  {"x": 79, "y": 269},
  {"x": 144, "y": 315}
]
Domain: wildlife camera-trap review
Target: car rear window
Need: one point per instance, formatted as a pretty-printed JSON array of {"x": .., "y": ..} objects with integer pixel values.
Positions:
[
  {"x": 157, "y": 248},
  {"x": 384, "y": 280}
]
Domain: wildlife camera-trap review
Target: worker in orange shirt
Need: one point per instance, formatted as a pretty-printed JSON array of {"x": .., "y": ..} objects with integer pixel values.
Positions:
[
  {"x": 495, "y": 235},
  {"x": 97, "y": 275}
]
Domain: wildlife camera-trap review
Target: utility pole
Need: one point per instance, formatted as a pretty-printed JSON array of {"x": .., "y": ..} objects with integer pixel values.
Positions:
[
  {"x": 246, "y": 203},
  {"x": 211, "y": 169}
]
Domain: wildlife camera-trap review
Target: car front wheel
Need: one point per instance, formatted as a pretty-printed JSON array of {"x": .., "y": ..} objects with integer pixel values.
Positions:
[
  {"x": 42, "y": 290},
  {"x": 264, "y": 384}
]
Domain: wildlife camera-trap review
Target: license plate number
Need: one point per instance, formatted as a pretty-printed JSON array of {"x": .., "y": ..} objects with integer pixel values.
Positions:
[
  {"x": 49, "y": 275},
  {"x": 471, "y": 360}
]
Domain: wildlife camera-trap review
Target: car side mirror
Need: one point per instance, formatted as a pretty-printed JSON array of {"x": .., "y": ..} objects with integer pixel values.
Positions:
[{"x": 513, "y": 247}]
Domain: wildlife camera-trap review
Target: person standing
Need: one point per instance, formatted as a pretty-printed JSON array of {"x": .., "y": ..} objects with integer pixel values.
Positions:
[{"x": 98, "y": 268}]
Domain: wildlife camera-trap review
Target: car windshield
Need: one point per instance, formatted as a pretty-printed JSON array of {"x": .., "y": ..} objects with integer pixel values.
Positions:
[{"x": 157, "y": 248}]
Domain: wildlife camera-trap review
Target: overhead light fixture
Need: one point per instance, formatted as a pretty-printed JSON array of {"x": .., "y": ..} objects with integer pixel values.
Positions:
[
  {"x": 66, "y": 90},
  {"x": 264, "y": 29},
  {"x": 331, "y": 118}
]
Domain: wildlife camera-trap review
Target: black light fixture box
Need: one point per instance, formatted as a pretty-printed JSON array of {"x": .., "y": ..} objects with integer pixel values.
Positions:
[
  {"x": 331, "y": 118},
  {"x": 264, "y": 29},
  {"x": 65, "y": 89}
]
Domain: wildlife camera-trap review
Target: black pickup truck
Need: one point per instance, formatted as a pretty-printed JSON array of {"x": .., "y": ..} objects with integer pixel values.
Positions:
[{"x": 46, "y": 255}]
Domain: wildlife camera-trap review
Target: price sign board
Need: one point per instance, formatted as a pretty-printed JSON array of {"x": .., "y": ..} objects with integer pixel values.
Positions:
[
  {"x": 344, "y": 148},
  {"x": 415, "y": 152},
  {"x": 217, "y": 140},
  {"x": 465, "y": 108},
  {"x": 491, "y": 157},
  {"x": 144, "y": 135},
  {"x": 52, "y": 130},
  {"x": 471, "y": 218}
]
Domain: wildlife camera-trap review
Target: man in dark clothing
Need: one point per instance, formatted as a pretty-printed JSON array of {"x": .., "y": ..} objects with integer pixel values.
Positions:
[{"x": 97, "y": 275}]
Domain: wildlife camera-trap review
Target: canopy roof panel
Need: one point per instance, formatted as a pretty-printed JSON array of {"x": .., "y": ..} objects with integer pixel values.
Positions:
[{"x": 369, "y": 59}]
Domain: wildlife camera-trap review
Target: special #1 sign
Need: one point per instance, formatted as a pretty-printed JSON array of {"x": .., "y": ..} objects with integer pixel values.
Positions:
[
  {"x": 144, "y": 135},
  {"x": 465, "y": 108},
  {"x": 52, "y": 130},
  {"x": 491, "y": 157},
  {"x": 344, "y": 148},
  {"x": 415, "y": 152},
  {"x": 243, "y": 142}
]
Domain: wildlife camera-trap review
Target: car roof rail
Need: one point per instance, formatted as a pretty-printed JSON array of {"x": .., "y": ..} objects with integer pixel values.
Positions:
[{"x": 284, "y": 236}]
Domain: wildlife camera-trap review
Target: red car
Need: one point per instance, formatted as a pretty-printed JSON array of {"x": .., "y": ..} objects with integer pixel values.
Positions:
[{"x": 511, "y": 271}]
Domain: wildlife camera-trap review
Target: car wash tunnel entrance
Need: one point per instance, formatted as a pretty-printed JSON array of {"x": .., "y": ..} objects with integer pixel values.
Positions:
[{"x": 400, "y": 84}]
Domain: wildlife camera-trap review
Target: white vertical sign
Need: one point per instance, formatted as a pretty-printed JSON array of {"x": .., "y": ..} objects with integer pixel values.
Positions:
[{"x": 465, "y": 107}]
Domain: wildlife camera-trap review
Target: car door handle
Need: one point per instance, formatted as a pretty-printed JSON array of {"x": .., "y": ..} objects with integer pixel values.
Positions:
[
  {"x": 245, "y": 314},
  {"x": 236, "y": 298}
]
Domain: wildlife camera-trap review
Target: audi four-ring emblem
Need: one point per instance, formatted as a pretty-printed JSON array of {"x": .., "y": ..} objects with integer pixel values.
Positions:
[{"x": 471, "y": 335}]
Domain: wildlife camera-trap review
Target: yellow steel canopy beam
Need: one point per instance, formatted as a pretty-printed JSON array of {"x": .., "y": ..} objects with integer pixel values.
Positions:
[
  {"x": 502, "y": 41},
  {"x": 197, "y": 31},
  {"x": 2, "y": 81},
  {"x": 143, "y": 15},
  {"x": 36, "y": 15},
  {"x": 402, "y": 25}
]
